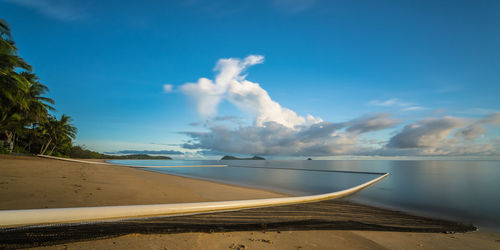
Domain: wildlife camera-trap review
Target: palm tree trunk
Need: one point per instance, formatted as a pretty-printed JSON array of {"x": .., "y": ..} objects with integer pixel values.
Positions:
[
  {"x": 52, "y": 150},
  {"x": 31, "y": 136},
  {"x": 45, "y": 146},
  {"x": 9, "y": 136},
  {"x": 4, "y": 117},
  {"x": 14, "y": 139}
]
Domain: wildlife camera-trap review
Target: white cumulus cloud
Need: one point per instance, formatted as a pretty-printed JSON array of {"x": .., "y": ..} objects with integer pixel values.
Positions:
[{"x": 230, "y": 84}]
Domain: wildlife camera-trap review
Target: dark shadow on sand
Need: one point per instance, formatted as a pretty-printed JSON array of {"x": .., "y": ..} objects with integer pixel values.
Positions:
[{"x": 325, "y": 215}]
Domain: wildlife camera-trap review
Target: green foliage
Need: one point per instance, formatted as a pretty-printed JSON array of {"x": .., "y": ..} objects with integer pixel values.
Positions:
[
  {"x": 82, "y": 153},
  {"x": 57, "y": 134},
  {"x": 25, "y": 123},
  {"x": 20, "y": 150},
  {"x": 4, "y": 150}
]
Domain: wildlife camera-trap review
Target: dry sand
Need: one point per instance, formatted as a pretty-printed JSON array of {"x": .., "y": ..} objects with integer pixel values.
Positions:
[
  {"x": 32, "y": 182},
  {"x": 29, "y": 182},
  {"x": 333, "y": 239}
]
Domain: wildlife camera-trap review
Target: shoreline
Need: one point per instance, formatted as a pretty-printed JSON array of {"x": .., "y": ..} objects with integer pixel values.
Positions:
[
  {"x": 231, "y": 184},
  {"x": 30, "y": 182},
  {"x": 144, "y": 168},
  {"x": 430, "y": 215},
  {"x": 121, "y": 186},
  {"x": 16, "y": 218}
]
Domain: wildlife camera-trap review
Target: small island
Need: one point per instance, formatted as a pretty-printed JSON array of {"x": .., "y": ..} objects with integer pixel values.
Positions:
[{"x": 229, "y": 157}]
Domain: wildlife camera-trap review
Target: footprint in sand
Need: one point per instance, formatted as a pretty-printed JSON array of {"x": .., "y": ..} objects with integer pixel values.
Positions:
[{"x": 237, "y": 247}]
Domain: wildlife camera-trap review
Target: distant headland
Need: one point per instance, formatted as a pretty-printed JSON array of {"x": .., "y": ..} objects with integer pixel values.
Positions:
[
  {"x": 82, "y": 153},
  {"x": 229, "y": 157}
]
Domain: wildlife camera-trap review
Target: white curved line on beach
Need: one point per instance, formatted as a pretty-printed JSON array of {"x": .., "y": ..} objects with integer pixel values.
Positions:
[
  {"x": 111, "y": 164},
  {"x": 12, "y": 218},
  {"x": 73, "y": 160}
]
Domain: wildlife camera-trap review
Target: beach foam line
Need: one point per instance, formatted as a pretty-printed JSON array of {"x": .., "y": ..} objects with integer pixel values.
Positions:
[
  {"x": 132, "y": 166},
  {"x": 55, "y": 216},
  {"x": 73, "y": 160}
]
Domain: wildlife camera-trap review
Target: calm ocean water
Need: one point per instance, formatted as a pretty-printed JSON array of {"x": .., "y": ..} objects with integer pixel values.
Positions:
[{"x": 466, "y": 191}]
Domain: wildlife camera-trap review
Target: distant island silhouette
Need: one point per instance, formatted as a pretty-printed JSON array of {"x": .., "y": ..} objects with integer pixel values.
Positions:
[
  {"x": 229, "y": 157},
  {"x": 81, "y": 152}
]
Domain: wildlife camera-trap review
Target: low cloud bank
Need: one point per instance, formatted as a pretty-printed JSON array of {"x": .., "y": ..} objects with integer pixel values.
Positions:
[{"x": 272, "y": 138}]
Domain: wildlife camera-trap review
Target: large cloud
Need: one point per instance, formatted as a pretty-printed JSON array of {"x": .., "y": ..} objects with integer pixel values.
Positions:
[
  {"x": 477, "y": 128},
  {"x": 231, "y": 84},
  {"x": 425, "y": 133},
  {"x": 471, "y": 132},
  {"x": 442, "y": 136}
]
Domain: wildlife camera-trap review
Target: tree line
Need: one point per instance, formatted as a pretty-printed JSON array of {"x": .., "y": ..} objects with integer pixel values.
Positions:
[{"x": 26, "y": 122}]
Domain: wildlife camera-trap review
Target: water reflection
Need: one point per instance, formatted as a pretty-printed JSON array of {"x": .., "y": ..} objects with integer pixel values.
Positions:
[
  {"x": 281, "y": 180},
  {"x": 459, "y": 190}
]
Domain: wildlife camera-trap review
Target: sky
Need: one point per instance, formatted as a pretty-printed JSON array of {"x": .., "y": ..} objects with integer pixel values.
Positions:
[{"x": 278, "y": 78}]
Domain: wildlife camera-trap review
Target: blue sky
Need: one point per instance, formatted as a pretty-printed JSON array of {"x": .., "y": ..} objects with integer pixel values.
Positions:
[{"x": 420, "y": 77}]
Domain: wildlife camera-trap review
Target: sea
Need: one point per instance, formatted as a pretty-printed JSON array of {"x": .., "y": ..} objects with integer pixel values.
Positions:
[{"x": 467, "y": 191}]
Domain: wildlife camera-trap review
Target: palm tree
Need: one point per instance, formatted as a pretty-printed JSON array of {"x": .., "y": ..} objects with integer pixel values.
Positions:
[
  {"x": 5, "y": 30},
  {"x": 13, "y": 85},
  {"x": 57, "y": 133},
  {"x": 10, "y": 80},
  {"x": 24, "y": 110},
  {"x": 38, "y": 107}
]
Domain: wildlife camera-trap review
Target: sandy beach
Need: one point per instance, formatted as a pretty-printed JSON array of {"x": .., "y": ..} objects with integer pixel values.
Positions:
[{"x": 31, "y": 182}]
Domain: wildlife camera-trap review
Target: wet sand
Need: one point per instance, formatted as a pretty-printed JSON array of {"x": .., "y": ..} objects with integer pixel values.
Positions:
[{"x": 30, "y": 182}]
